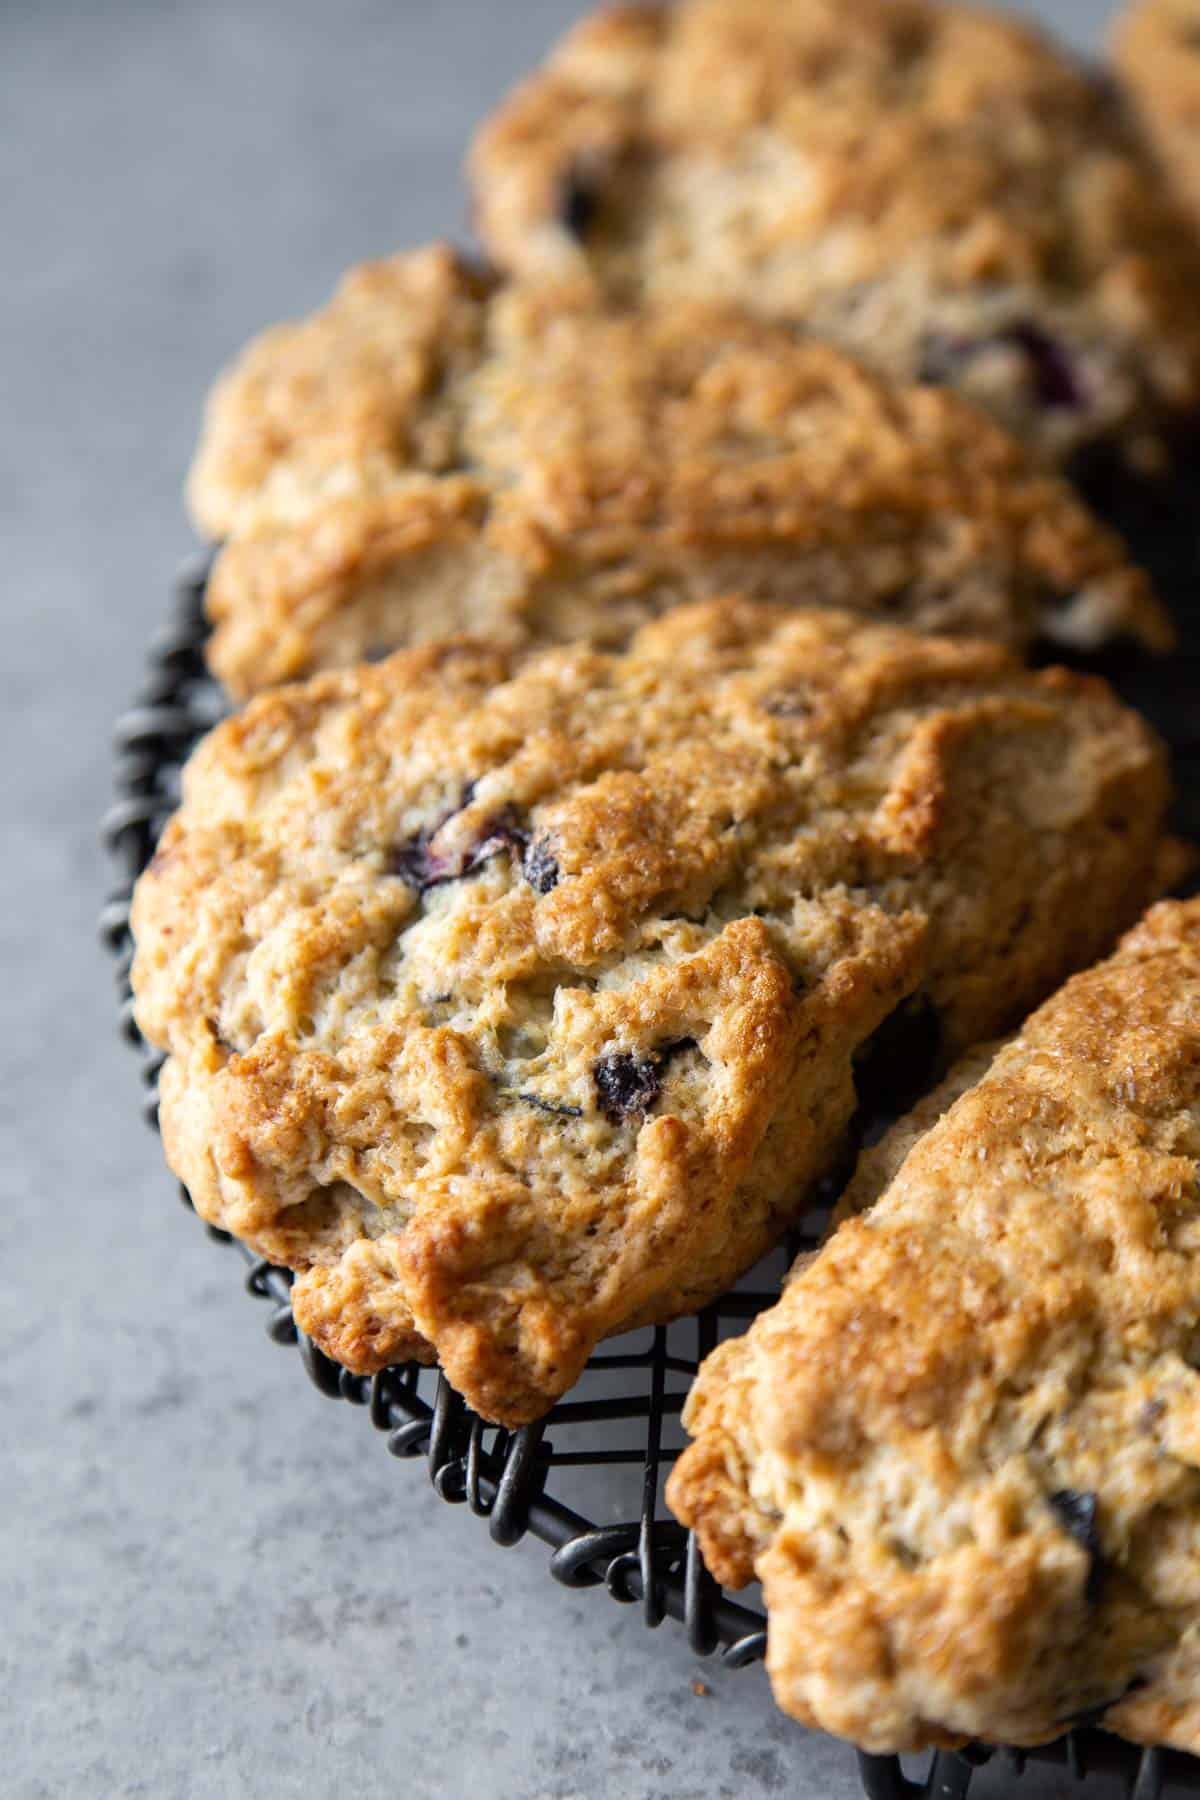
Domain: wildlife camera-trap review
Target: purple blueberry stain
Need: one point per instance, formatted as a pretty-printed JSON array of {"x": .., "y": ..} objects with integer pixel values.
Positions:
[
  {"x": 945, "y": 358},
  {"x": 415, "y": 862},
  {"x": 1055, "y": 379},
  {"x": 418, "y": 861},
  {"x": 502, "y": 830}
]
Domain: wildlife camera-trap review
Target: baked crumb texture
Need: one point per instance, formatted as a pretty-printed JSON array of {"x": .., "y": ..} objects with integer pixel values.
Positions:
[
  {"x": 513, "y": 1004},
  {"x": 936, "y": 187},
  {"x": 432, "y": 454},
  {"x": 1157, "y": 53},
  {"x": 962, "y": 1451}
]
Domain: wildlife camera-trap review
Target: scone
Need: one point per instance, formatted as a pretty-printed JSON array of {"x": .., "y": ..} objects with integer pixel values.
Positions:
[
  {"x": 963, "y": 1450},
  {"x": 430, "y": 454},
  {"x": 513, "y": 1006},
  {"x": 1157, "y": 53},
  {"x": 935, "y": 187}
]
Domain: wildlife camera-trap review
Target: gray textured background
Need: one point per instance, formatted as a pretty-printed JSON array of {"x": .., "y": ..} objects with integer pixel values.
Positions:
[{"x": 214, "y": 1583}]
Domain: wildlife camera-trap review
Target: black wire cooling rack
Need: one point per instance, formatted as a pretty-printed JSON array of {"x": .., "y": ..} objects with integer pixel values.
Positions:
[{"x": 614, "y": 1435}]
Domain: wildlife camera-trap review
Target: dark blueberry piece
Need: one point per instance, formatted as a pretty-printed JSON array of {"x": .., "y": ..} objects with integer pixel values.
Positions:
[
  {"x": 1054, "y": 373},
  {"x": 551, "y": 1106},
  {"x": 900, "y": 1060},
  {"x": 1077, "y": 1515},
  {"x": 540, "y": 868},
  {"x": 377, "y": 653},
  {"x": 630, "y": 1084},
  {"x": 578, "y": 203},
  {"x": 625, "y": 1084}
]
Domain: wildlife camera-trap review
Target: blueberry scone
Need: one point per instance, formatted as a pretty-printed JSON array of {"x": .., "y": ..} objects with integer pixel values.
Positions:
[
  {"x": 962, "y": 1452},
  {"x": 1157, "y": 50},
  {"x": 516, "y": 1002},
  {"x": 936, "y": 187},
  {"x": 432, "y": 454}
]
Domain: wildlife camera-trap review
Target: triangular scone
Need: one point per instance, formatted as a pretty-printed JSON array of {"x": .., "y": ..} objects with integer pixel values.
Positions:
[
  {"x": 937, "y": 187},
  {"x": 515, "y": 1003},
  {"x": 962, "y": 1451},
  {"x": 431, "y": 453}
]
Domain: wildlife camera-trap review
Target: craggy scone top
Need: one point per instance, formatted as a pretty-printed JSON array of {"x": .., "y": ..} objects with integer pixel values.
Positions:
[
  {"x": 513, "y": 1004},
  {"x": 963, "y": 1450},
  {"x": 936, "y": 187},
  {"x": 431, "y": 453},
  {"x": 1157, "y": 52}
]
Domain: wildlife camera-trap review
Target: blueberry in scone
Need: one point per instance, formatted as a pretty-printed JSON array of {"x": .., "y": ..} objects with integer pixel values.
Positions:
[
  {"x": 936, "y": 187},
  {"x": 431, "y": 453},
  {"x": 513, "y": 1002},
  {"x": 962, "y": 1451},
  {"x": 1157, "y": 53}
]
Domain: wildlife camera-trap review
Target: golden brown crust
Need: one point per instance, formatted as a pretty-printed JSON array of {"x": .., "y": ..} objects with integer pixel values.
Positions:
[
  {"x": 541, "y": 470},
  {"x": 334, "y": 404},
  {"x": 935, "y": 186},
  {"x": 962, "y": 1452},
  {"x": 515, "y": 1004},
  {"x": 1157, "y": 53}
]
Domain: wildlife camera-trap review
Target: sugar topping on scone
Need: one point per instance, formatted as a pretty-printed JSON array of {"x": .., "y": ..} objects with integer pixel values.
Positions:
[
  {"x": 513, "y": 1003},
  {"x": 934, "y": 186},
  {"x": 430, "y": 454},
  {"x": 1157, "y": 51},
  {"x": 962, "y": 1452}
]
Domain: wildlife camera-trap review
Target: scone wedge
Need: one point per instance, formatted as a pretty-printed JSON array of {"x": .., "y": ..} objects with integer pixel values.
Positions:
[
  {"x": 433, "y": 453},
  {"x": 962, "y": 1451},
  {"x": 515, "y": 1003},
  {"x": 937, "y": 187}
]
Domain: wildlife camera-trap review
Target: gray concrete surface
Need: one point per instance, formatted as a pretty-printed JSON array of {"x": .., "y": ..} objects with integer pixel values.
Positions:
[{"x": 213, "y": 1583}]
